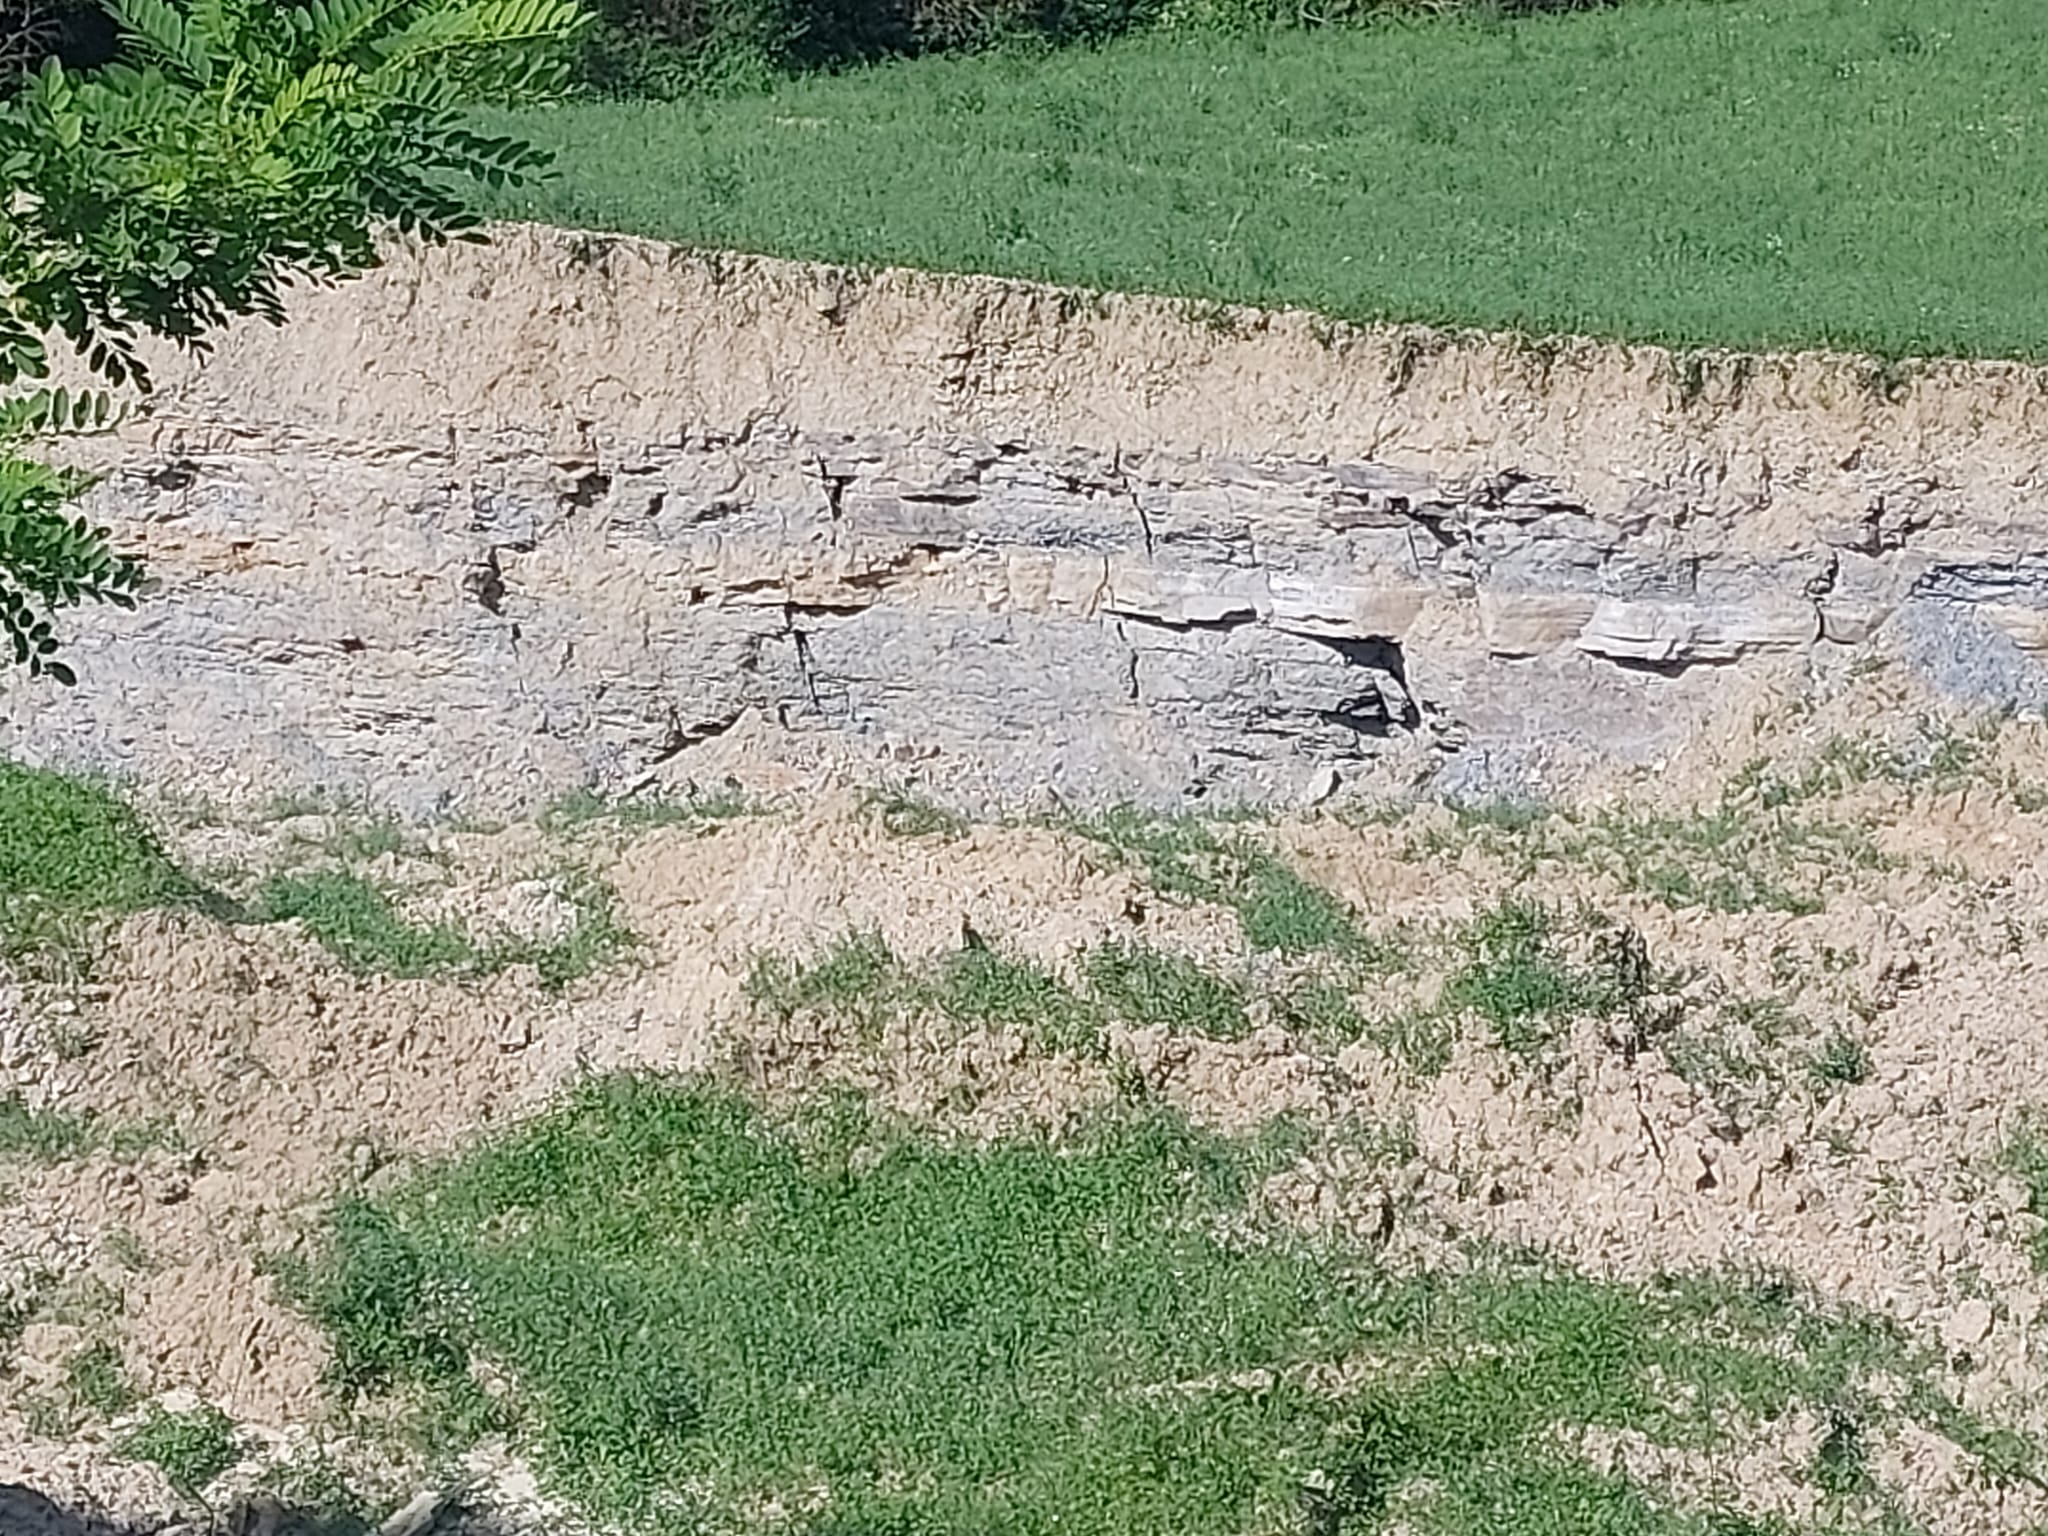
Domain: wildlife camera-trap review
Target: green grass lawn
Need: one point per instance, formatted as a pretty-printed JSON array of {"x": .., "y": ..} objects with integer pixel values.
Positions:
[
  {"x": 702, "y": 1319},
  {"x": 1864, "y": 174}
]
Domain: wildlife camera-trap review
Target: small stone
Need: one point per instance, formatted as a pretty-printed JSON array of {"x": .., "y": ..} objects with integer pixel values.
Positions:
[
  {"x": 514, "y": 1034},
  {"x": 1321, "y": 785},
  {"x": 1969, "y": 1324}
]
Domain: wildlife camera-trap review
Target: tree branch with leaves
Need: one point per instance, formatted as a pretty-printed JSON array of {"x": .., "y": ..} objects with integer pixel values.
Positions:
[{"x": 236, "y": 147}]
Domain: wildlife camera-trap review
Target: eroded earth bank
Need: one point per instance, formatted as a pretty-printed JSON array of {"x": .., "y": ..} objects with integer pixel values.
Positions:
[{"x": 743, "y": 898}]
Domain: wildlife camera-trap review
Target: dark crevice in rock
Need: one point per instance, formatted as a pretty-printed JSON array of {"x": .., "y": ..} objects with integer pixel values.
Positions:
[
  {"x": 178, "y": 475},
  {"x": 484, "y": 582},
  {"x": 1675, "y": 666},
  {"x": 805, "y": 666},
  {"x": 1229, "y": 621},
  {"x": 1377, "y": 655},
  {"x": 591, "y": 487}
]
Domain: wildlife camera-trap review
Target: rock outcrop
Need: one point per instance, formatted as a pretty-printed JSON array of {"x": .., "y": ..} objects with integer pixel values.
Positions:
[{"x": 498, "y": 522}]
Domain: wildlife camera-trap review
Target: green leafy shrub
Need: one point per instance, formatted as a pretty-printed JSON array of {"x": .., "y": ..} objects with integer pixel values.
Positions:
[{"x": 245, "y": 145}]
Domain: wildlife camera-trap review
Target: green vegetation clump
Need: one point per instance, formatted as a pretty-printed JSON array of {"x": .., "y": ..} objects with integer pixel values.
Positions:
[
  {"x": 41, "y": 1135},
  {"x": 905, "y": 814},
  {"x": 191, "y": 1447},
  {"x": 1518, "y": 976},
  {"x": 858, "y": 977},
  {"x": 1732, "y": 857},
  {"x": 75, "y": 844},
  {"x": 2026, "y": 1158},
  {"x": 97, "y": 1380},
  {"x": 1193, "y": 860},
  {"x": 976, "y": 985},
  {"x": 700, "y": 1314},
  {"x": 1705, "y": 174},
  {"x": 1757, "y": 848},
  {"x": 1149, "y": 986},
  {"x": 857, "y": 974},
  {"x": 73, "y": 853},
  {"x": 695, "y": 808},
  {"x": 357, "y": 921},
  {"x": 56, "y": 1135}
]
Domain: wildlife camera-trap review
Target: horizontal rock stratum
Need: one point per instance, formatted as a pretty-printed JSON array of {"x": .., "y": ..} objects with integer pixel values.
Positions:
[{"x": 499, "y": 521}]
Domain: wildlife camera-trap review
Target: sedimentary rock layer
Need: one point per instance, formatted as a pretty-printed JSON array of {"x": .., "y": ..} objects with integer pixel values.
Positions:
[{"x": 500, "y": 521}]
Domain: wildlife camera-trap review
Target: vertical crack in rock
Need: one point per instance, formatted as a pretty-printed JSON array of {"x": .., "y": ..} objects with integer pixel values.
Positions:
[
  {"x": 1122, "y": 484},
  {"x": 835, "y": 489},
  {"x": 804, "y": 664},
  {"x": 484, "y": 582}
]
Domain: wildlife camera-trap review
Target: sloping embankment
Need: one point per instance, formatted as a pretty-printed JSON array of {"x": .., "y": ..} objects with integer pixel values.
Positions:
[{"x": 500, "y": 520}]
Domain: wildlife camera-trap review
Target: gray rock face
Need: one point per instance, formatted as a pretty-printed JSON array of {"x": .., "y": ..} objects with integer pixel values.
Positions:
[
  {"x": 497, "y": 522},
  {"x": 436, "y": 630}
]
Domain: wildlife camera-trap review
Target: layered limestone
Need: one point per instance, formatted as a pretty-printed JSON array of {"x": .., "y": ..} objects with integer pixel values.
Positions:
[{"x": 501, "y": 521}]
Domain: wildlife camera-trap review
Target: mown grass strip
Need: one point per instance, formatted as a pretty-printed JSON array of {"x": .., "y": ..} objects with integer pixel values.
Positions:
[{"x": 1701, "y": 173}]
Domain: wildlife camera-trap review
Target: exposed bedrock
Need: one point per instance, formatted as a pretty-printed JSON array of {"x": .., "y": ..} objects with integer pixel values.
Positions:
[{"x": 497, "y": 523}]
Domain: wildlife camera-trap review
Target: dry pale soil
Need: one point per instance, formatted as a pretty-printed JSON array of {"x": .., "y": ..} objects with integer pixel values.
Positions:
[{"x": 1798, "y": 1032}]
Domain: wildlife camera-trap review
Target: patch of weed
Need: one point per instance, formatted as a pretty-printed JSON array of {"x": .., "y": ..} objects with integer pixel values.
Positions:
[
  {"x": 705, "y": 1312},
  {"x": 1841, "y": 1062},
  {"x": 71, "y": 853},
  {"x": 595, "y": 939},
  {"x": 191, "y": 1448},
  {"x": 1737, "y": 1055},
  {"x": 126, "y": 1250},
  {"x": 1517, "y": 976},
  {"x": 1842, "y": 1461},
  {"x": 1188, "y": 860},
  {"x": 904, "y": 814},
  {"x": 357, "y": 921},
  {"x": 1504, "y": 827},
  {"x": 42, "y": 1135},
  {"x": 979, "y": 986},
  {"x": 1148, "y": 986},
  {"x": 75, "y": 844},
  {"x": 363, "y": 842},
  {"x": 2026, "y": 1158},
  {"x": 56, "y": 1135},
  {"x": 856, "y": 974},
  {"x": 1180, "y": 855},
  {"x": 1320, "y": 1010},
  {"x": 97, "y": 1380},
  {"x": 1733, "y": 857},
  {"x": 582, "y": 806},
  {"x": 1282, "y": 912},
  {"x": 1421, "y": 1039}
]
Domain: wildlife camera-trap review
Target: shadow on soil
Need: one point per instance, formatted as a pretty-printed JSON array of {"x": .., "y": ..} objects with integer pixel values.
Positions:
[{"x": 25, "y": 1512}]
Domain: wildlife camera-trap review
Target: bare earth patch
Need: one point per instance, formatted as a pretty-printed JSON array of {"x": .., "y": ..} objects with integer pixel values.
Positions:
[{"x": 1816, "y": 1071}]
